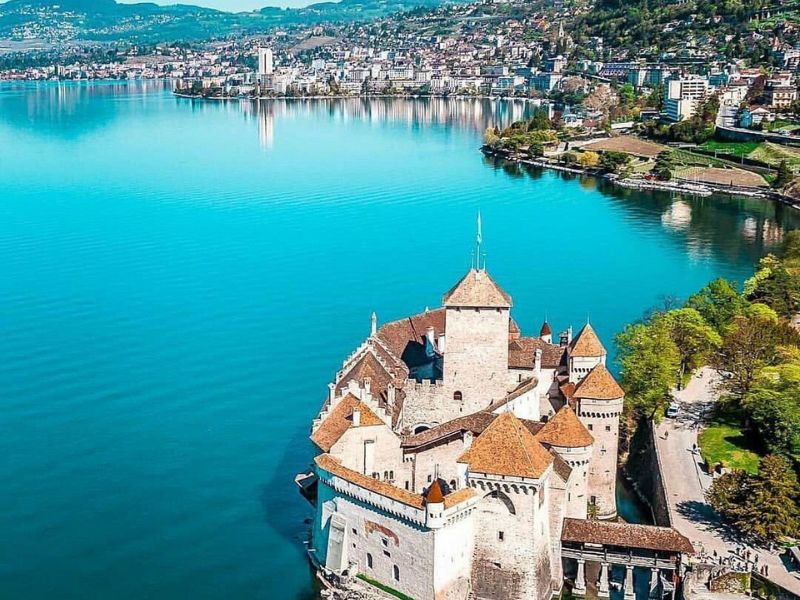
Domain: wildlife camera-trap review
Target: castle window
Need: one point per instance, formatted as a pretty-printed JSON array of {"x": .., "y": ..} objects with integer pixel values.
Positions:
[
  {"x": 391, "y": 475},
  {"x": 387, "y": 553},
  {"x": 453, "y": 483},
  {"x": 590, "y": 427},
  {"x": 396, "y": 572},
  {"x": 369, "y": 560},
  {"x": 500, "y": 535},
  {"x": 608, "y": 427},
  {"x": 458, "y": 396},
  {"x": 386, "y": 474},
  {"x": 354, "y": 531},
  {"x": 406, "y": 484},
  {"x": 384, "y": 541},
  {"x": 430, "y": 478}
]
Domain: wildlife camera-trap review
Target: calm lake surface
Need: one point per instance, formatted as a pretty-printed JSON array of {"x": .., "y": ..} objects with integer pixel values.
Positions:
[{"x": 180, "y": 280}]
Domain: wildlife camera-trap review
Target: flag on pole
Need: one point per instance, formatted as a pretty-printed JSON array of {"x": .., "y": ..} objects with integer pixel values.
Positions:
[{"x": 479, "y": 237}]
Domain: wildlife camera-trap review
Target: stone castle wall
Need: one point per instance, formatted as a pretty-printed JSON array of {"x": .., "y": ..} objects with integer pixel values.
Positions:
[
  {"x": 577, "y": 489},
  {"x": 512, "y": 542},
  {"x": 601, "y": 418}
]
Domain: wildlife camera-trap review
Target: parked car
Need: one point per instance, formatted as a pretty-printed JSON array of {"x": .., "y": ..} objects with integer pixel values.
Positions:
[{"x": 672, "y": 410}]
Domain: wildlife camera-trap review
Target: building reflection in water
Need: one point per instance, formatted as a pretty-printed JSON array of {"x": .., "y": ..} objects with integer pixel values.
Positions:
[
  {"x": 464, "y": 113},
  {"x": 703, "y": 225}
]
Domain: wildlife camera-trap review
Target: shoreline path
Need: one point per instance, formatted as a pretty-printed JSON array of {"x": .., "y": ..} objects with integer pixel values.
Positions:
[{"x": 686, "y": 481}]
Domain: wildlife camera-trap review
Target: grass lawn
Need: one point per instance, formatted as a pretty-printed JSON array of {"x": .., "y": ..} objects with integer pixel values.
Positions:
[
  {"x": 735, "y": 148},
  {"x": 385, "y": 588},
  {"x": 685, "y": 157},
  {"x": 773, "y": 154},
  {"x": 723, "y": 441}
]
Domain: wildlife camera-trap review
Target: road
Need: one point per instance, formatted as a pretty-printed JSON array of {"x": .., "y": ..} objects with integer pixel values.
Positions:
[{"x": 686, "y": 481}]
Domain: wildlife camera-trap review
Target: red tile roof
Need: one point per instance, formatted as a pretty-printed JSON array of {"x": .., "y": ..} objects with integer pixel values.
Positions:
[
  {"x": 333, "y": 466},
  {"x": 627, "y": 535},
  {"x": 565, "y": 430},
  {"x": 599, "y": 384},
  {"x": 587, "y": 344},
  {"x": 521, "y": 351},
  {"x": 398, "y": 334},
  {"x": 507, "y": 447},
  {"x": 477, "y": 289},
  {"x": 330, "y": 464},
  {"x": 340, "y": 419}
]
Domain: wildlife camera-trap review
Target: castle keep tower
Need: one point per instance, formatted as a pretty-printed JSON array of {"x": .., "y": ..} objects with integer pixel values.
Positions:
[{"x": 476, "y": 358}]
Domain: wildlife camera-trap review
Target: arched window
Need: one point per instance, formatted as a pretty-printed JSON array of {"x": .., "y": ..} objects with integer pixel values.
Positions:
[
  {"x": 396, "y": 572},
  {"x": 458, "y": 396},
  {"x": 420, "y": 429},
  {"x": 391, "y": 475},
  {"x": 369, "y": 560}
]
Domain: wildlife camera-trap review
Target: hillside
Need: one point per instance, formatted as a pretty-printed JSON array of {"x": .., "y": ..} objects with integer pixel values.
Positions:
[{"x": 58, "y": 21}]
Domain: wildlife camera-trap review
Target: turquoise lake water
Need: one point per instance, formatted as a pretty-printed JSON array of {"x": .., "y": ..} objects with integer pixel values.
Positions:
[{"x": 179, "y": 281}]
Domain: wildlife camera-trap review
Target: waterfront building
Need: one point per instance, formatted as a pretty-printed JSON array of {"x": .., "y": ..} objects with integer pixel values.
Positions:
[{"x": 453, "y": 448}]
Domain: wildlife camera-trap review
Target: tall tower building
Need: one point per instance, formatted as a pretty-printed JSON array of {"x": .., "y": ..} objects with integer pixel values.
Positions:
[
  {"x": 476, "y": 359},
  {"x": 265, "y": 62}
]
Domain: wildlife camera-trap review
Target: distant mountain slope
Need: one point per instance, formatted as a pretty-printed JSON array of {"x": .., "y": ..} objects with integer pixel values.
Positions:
[{"x": 106, "y": 20}]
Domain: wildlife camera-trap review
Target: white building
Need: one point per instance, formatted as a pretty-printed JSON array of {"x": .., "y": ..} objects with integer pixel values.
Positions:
[
  {"x": 265, "y": 62},
  {"x": 682, "y": 96}
]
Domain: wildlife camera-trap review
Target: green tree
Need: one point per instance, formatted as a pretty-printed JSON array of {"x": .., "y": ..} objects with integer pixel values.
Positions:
[
  {"x": 749, "y": 344},
  {"x": 784, "y": 175},
  {"x": 728, "y": 493},
  {"x": 718, "y": 303},
  {"x": 692, "y": 336},
  {"x": 775, "y": 286},
  {"x": 539, "y": 121},
  {"x": 626, "y": 94},
  {"x": 771, "y": 510},
  {"x": 613, "y": 161},
  {"x": 791, "y": 245},
  {"x": 665, "y": 163},
  {"x": 650, "y": 365},
  {"x": 774, "y": 407}
]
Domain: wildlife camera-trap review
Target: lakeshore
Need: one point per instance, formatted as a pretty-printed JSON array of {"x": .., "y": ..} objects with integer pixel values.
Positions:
[{"x": 691, "y": 188}]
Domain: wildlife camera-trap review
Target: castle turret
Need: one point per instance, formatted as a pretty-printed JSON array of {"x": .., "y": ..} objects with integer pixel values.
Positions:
[
  {"x": 599, "y": 406},
  {"x": 477, "y": 325},
  {"x": 546, "y": 334},
  {"x": 584, "y": 353},
  {"x": 568, "y": 437}
]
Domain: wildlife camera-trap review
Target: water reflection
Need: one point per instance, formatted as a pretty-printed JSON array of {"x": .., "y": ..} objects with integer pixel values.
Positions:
[
  {"x": 703, "y": 226},
  {"x": 64, "y": 108}
]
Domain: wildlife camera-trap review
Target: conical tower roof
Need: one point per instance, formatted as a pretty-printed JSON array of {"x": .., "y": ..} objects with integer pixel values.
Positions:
[
  {"x": 477, "y": 289},
  {"x": 599, "y": 384},
  {"x": 587, "y": 344},
  {"x": 507, "y": 447},
  {"x": 434, "y": 494},
  {"x": 565, "y": 430}
]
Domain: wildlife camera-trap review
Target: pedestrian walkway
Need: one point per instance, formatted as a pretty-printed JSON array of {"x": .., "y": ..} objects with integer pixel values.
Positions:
[{"x": 686, "y": 482}]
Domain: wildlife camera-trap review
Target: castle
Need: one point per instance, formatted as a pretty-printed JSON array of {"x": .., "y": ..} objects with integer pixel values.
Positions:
[{"x": 453, "y": 448}]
